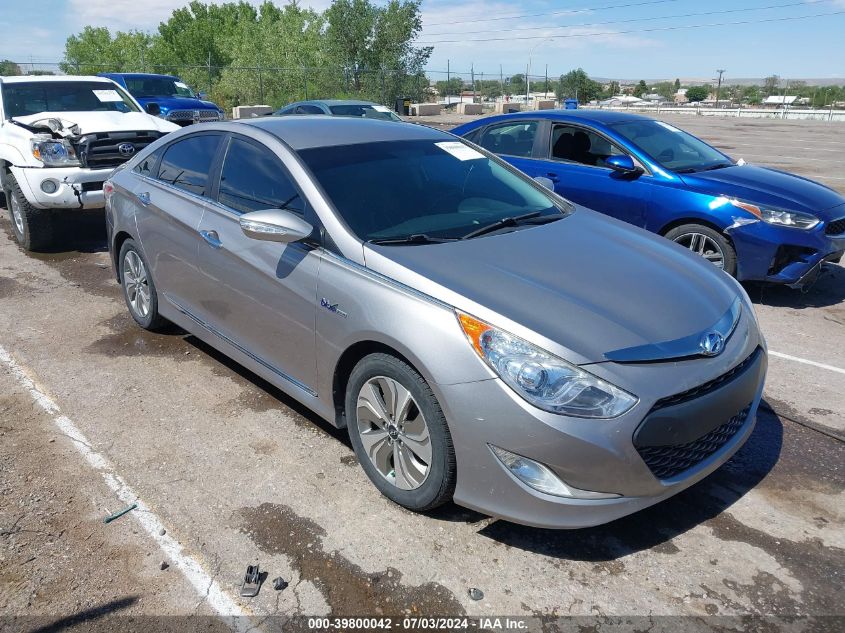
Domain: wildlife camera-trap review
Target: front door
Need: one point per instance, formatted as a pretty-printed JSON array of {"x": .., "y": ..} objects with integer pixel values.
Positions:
[
  {"x": 259, "y": 295},
  {"x": 575, "y": 161}
]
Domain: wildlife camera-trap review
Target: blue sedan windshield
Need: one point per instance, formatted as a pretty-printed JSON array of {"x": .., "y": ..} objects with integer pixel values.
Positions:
[
  {"x": 672, "y": 148},
  {"x": 440, "y": 190}
]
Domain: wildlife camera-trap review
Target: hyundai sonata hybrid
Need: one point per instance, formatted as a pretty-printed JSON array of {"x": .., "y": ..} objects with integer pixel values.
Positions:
[
  {"x": 754, "y": 222},
  {"x": 481, "y": 338}
]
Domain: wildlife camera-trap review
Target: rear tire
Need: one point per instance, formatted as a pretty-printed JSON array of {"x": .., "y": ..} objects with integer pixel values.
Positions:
[
  {"x": 402, "y": 441},
  {"x": 139, "y": 290},
  {"x": 33, "y": 227},
  {"x": 708, "y": 243}
]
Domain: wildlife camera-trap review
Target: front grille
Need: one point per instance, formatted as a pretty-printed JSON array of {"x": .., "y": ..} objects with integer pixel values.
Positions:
[
  {"x": 669, "y": 461},
  {"x": 102, "y": 150},
  {"x": 837, "y": 227},
  {"x": 707, "y": 387},
  {"x": 186, "y": 117}
]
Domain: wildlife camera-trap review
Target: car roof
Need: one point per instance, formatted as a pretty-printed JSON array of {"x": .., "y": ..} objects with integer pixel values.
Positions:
[
  {"x": 138, "y": 75},
  {"x": 598, "y": 116},
  {"x": 310, "y": 131},
  {"x": 53, "y": 78}
]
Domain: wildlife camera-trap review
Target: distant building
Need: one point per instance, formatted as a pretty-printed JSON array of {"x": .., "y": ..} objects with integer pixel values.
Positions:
[
  {"x": 681, "y": 96},
  {"x": 654, "y": 98},
  {"x": 780, "y": 101}
]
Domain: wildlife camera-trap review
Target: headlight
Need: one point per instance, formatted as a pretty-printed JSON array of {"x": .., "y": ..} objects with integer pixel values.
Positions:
[
  {"x": 55, "y": 153},
  {"x": 794, "y": 219},
  {"x": 543, "y": 379}
]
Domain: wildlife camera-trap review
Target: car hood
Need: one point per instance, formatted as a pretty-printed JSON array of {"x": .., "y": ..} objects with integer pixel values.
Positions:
[
  {"x": 587, "y": 284},
  {"x": 764, "y": 186},
  {"x": 92, "y": 122},
  {"x": 179, "y": 103}
]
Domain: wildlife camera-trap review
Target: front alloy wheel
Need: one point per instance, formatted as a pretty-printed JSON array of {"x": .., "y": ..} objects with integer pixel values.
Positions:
[
  {"x": 708, "y": 243},
  {"x": 704, "y": 246},
  {"x": 394, "y": 432}
]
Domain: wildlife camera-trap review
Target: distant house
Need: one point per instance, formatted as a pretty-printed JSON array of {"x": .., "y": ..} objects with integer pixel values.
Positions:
[
  {"x": 622, "y": 100},
  {"x": 654, "y": 98},
  {"x": 681, "y": 96},
  {"x": 779, "y": 101}
]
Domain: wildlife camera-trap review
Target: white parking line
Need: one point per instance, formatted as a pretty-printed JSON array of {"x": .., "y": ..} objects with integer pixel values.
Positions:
[
  {"x": 207, "y": 588},
  {"x": 838, "y": 370}
]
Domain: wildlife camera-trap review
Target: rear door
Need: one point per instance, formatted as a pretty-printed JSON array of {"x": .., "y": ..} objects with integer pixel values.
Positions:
[
  {"x": 170, "y": 195},
  {"x": 517, "y": 141},
  {"x": 574, "y": 159},
  {"x": 260, "y": 295}
]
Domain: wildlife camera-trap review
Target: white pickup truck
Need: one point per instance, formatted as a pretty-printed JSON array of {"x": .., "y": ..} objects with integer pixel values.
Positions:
[{"x": 60, "y": 138}]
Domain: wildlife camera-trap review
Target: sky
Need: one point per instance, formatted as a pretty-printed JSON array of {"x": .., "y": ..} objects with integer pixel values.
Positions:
[{"x": 608, "y": 40}]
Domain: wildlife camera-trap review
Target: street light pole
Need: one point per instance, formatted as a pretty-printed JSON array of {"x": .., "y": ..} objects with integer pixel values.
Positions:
[{"x": 721, "y": 72}]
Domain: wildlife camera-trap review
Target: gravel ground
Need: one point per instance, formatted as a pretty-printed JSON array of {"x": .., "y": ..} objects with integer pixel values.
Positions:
[{"x": 238, "y": 474}]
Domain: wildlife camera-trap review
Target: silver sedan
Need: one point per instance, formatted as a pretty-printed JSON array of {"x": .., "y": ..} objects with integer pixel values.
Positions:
[{"x": 482, "y": 339}]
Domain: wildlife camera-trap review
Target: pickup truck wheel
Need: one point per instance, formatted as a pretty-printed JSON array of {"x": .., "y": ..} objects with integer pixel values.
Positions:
[
  {"x": 33, "y": 227},
  {"x": 139, "y": 291}
]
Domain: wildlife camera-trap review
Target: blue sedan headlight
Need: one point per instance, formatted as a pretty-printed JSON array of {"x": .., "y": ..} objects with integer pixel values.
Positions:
[{"x": 793, "y": 219}]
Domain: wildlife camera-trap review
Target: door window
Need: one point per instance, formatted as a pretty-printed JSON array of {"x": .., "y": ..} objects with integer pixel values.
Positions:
[
  {"x": 309, "y": 109},
  {"x": 146, "y": 166},
  {"x": 186, "y": 164},
  {"x": 253, "y": 179},
  {"x": 578, "y": 145},
  {"x": 510, "y": 139}
]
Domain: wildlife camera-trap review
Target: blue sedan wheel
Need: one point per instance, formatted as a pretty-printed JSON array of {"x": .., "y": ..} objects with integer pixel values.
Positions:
[{"x": 709, "y": 244}]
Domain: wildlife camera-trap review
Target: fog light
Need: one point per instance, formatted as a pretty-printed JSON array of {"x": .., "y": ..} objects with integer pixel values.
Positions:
[
  {"x": 49, "y": 186},
  {"x": 541, "y": 478}
]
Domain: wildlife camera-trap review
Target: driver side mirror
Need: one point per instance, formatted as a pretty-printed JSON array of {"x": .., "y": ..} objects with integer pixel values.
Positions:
[
  {"x": 153, "y": 108},
  {"x": 202, "y": 95},
  {"x": 623, "y": 164},
  {"x": 275, "y": 225}
]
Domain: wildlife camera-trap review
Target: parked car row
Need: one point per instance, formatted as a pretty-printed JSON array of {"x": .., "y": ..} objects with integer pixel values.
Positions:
[{"x": 483, "y": 334}]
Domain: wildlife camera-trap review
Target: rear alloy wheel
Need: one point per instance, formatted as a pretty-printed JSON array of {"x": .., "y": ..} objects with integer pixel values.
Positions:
[
  {"x": 139, "y": 291},
  {"x": 399, "y": 433},
  {"x": 709, "y": 244}
]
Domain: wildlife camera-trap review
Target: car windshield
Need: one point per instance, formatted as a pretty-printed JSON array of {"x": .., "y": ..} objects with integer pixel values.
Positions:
[
  {"x": 364, "y": 110},
  {"x": 158, "y": 87},
  {"x": 425, "y": 189},
  {"x": 672, "y": 148},
  {"x": 25, "y": 98}
]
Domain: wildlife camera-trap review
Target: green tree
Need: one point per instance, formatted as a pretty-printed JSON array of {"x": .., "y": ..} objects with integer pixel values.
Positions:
[
  {"x": 770, "y": 84},
  {"x": 453, "y": 86},
  {"x": 641, "y": 88},
  {"x": 698, "y": 93},
  {"x": 9, "y": 68},
  {"x": 576, "y": 84},
  {"x": 516, "y": 85},
  {"x": 665, "y": 89},
  {"x": 677, "y": 85}
]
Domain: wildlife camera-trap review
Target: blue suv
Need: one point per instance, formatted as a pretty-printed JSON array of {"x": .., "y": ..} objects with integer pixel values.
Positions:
[
  {"x": 169, "y": 97},
  {"x": 754, "y": 222}
]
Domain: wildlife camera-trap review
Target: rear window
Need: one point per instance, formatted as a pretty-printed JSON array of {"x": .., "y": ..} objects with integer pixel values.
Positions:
[
  {"x": 186, "y": 164},
  {"x": 25, "y": 98}
]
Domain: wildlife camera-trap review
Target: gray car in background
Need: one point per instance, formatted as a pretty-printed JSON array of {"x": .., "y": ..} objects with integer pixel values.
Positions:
[
  {"x": 481, "y": 338},
  {"x": 340, "y": 107}
]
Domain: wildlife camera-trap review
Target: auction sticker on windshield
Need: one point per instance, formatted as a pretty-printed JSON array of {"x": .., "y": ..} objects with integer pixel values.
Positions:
[
  {"x": 107, "y": 96},
  {"x": 381, "y": 108},
  {"x": 459, "y": 150}
]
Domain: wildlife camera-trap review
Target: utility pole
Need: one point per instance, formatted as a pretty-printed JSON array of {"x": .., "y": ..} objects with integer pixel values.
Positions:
[
  {"x": 502, "y": 82},
  {"x": 721, "y": 72},
  {"x": 527, "y": 83},
  {"x": 546, "y": 85},
  {"x": 472, "y": 76},
  {"x": 448, "y": 82}
]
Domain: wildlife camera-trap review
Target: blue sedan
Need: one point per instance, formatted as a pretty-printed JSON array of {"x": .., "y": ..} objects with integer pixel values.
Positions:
[{"x": 753, "y": 222}]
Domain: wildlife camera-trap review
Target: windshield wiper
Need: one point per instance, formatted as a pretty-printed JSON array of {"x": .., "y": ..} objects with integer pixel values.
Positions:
[
  {"x": 695, "y": 170},
  {"x": 512, "y": 221},
  {"x": 717, "y": 166},
  {"x": 416, "y": 238}
]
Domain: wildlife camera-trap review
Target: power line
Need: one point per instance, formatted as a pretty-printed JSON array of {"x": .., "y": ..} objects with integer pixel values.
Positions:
[
  {"x": 569, "y": 12},
  {"x": 653, "y": 30},
  {"x": 647, "y": 19}
]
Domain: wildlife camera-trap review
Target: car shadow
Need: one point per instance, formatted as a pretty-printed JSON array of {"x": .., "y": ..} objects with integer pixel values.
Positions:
[
  {"x": 655, "y": 527},
  {"x": 87, "y": 617},
  {"x": 76, "y": 232},
  {"x": 828, "y": 290}
]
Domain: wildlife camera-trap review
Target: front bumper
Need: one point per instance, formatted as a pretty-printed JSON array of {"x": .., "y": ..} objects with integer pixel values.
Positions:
[
  {"x": 592, "y": 455},
  {"x": 784, "y": 255},
  {"x": 76, "y": 188}
]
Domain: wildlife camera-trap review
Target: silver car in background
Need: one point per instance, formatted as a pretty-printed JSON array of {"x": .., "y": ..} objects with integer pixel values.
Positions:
[{"x": 482, "y": 339}]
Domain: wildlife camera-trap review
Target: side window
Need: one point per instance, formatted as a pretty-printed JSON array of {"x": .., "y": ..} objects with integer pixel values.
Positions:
[
  {"x": 577, "y": 145},
  {"x": 473, "y": 136},
  {"x": 186, "y": 163},
  {"x": 308, "y": 109},
  {"x": 510, "y": 139},
  {"x": 146, "y": 166},
  {"x": 253, "y": 178}
]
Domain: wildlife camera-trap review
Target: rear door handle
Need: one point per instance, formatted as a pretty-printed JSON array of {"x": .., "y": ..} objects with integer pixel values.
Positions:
[
  {"x": 212, "y": 238},
  {"x": 143, "y": 197},
  {"x": 553, "y": 177}
]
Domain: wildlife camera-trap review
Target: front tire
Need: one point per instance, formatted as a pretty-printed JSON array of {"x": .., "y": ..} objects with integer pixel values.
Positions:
[
  {"x": 708, "y": 243},
  {"x": 139, "y": 290},
  {"x": 399, "y": 433},
  {"x": 33, "y": 227}
]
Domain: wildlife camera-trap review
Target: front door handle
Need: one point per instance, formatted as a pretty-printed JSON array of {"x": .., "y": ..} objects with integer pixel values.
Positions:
[
  {"x": 553, "y": 177},
  {"x": 212, "y": 238},
  {"x": 143, "y": 198}
]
